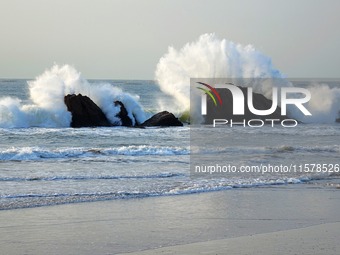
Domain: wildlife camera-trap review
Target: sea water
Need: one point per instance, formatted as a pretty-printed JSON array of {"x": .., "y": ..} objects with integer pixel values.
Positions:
[
  {"x": 48, "y": 165},
  {"x": 45, "y": 162},
  {"x": 51, "y": 165}
]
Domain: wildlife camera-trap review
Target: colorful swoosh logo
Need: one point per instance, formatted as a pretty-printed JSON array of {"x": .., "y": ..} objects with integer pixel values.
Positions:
[{"x": 213, "y": 94}]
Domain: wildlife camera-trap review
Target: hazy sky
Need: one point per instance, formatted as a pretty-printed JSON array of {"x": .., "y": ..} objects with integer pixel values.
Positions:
[{"x": 124, "y": 39}]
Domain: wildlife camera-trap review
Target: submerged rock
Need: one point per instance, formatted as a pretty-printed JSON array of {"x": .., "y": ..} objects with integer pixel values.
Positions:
[
  {"x": 85, "y": 113},
  {"x": 164, "y": 119}
]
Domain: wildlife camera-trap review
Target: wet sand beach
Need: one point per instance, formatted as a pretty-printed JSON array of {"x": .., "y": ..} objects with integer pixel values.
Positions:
[{"x": 288, "y": 219}]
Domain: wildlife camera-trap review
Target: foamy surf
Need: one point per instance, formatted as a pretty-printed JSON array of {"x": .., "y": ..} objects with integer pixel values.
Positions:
[
  {"x": 39, "y": 154},
  {"x": 161, "y": 184}
]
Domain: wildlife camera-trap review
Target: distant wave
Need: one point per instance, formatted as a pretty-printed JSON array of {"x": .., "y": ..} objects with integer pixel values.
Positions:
[
  {"x": 312, "y": 149},
  {"x": 37, "y": 153},
  {"x": 270, "y": 150}
]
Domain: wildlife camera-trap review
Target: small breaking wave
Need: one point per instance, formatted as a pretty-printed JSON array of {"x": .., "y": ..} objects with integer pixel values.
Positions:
[
  {"x": 37, "y": 153},
  {"x": 182, "y": 187}
]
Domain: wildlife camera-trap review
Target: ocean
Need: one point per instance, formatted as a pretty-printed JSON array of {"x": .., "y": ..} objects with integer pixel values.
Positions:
[{"x": 45, "y": 162}]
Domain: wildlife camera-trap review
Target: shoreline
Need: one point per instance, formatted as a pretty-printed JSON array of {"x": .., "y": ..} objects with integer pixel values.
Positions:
[
  {"x": 133, "y": 225},
  {"x": 332, "y": 181}
]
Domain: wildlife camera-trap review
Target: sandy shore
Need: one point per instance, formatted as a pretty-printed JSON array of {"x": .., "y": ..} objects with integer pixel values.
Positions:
[
  {"x": 321, "y": 240},
  {"x": 293, "y": 219}
]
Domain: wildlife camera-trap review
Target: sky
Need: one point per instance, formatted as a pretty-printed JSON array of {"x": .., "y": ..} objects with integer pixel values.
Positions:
[{"x": 124, "y": 39}]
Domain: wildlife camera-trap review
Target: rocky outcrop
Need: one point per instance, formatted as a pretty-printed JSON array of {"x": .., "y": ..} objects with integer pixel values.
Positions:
[
  {"x": 85, "y": 113},
  {"x": 163, "y": 119}
]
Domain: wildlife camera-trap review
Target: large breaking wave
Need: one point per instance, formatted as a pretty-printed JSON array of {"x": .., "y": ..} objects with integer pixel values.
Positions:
[
  {"x": 211, "y": 57},
  {"x": 46, "y": 107}
]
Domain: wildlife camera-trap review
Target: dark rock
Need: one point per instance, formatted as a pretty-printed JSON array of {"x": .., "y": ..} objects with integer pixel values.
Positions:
[
  {"x": 337, "y": 120},
  {"x": 123, "y": 114},
  {"x": 164, "y": 119},
  {"x": 225, "y": 111},
  {"x": 85, "y": 113}
]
